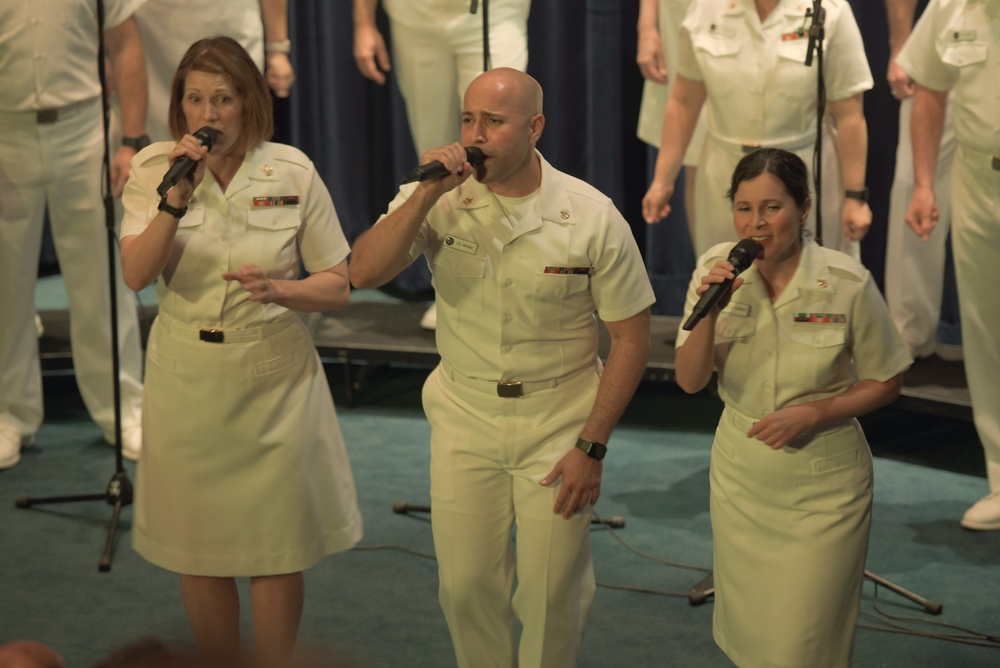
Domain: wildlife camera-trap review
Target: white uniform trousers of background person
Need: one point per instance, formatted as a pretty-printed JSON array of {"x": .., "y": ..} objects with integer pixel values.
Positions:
[
  {"x": 435, "y": 62},
  {"x": 487, "y": 455},
  {"x": 60, "y": 164},
  {"x": 169, "y": 27},
  {"x": 975, "y": 238},
  {"x": 715, "y": 172},
  {"x": 914, "y": 268}
]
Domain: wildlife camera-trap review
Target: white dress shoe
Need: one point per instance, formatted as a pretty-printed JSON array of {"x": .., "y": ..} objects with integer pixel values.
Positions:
[
  {"x": 984, "y": 515},
  {"x": 11, "y": 444}
]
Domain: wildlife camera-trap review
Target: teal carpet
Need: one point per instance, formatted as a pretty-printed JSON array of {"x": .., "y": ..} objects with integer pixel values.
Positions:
[{"x": 378, "y": 607}]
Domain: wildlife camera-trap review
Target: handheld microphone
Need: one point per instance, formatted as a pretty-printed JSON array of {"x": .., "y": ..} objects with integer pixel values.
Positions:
[
  {"x": 183, "y": 166},
  {"x": 435, "y": 170},
  {"x": 740, "y": 257}
]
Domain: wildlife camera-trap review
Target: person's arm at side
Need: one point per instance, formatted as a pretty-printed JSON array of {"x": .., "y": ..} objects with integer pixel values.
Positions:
[
  {"x": 124, "y": 48},
  {"x": 370, "y": 52},
  {"x": 384, "y": 250},
  {"x": 852, "y": 146},
  {"x": 779, "y": 428},
  {"x": 926, "y": 126},
  {"x": 900, "y": 15},
  {"x": 695, "y": 359},
  {"x": 627, "y": 357},
  {"x": 649, "y": 48},
  {"x": 280, "y": 75},
  {"x": 327, "y": 290},
  {"x": 145, "y": 255},
  {"x": 679, "y": 120}
]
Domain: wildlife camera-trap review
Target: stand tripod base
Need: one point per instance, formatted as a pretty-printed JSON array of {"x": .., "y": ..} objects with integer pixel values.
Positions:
[
  {"x": 402, "y": 508},
  {"x": 118, "y": 494},
  {"x": 706, "y": 588}
]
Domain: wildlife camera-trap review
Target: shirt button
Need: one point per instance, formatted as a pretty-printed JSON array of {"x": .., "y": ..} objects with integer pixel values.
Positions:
[
  {"x": 509, "y": 282},
  {"x": 508, "y": 318}
]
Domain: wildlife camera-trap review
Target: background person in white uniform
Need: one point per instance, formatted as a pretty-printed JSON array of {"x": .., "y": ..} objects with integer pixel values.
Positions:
[
  {"x": 244, "y": 471},
  {"x": 803, "y": 344},
  {"x": 438, "y": 50},
  {"x": 658, "y": 27},
  {"x": 746, "y": 58},
  {"x": 955, "y": 46},
  {"x": 169, "y": 27},
  {"x": 914, "y": 267},
  {"x": 52, "y": 146},
  {"x": 522, "y": 255}
]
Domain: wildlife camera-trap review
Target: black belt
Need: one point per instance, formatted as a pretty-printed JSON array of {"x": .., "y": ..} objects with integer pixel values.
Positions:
[
  {"x": 49, "y": 116},
  {"x": 996, "y": 162}
]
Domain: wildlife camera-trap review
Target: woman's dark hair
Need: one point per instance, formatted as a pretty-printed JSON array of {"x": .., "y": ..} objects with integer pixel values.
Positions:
[
  {"x": 785, "y": 166},
  {"x": 225, "y": 56}
]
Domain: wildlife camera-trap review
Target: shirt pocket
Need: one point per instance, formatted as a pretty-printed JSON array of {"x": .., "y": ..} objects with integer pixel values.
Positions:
[
  {"x": 559, "y": 299},
  {"x": 717, "y": 55},
  {"x": 458, "y": 279},
  {"x": 815, "y": 352},
  {"x": 272, "y": 234}
]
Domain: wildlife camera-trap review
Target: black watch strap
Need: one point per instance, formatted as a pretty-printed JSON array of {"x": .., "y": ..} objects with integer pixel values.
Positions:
[
  {"x": 857, "y": 194},
  {"x": 593, "y": 449},
  {"x": 138, "y": 143},
  {"x": 176, "y": 213}
]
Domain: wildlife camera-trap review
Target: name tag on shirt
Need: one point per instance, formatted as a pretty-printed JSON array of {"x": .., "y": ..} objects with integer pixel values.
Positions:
[
  {"x": 735, "y": 308},
  {"x": 963, "y": 36},
  {"x": 457, "y": 243}
]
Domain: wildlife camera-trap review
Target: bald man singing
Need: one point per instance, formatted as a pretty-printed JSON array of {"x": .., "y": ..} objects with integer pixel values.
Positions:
[{"x": 520, "y": 407}]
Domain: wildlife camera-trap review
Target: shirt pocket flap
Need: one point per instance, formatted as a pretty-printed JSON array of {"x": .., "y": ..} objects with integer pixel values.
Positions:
[
  {"x": 716, "y": 45},
  {"x": 273, "y": 217},
  {"x": 560, "y": 285},
  {"x": 819, "y": 336},
  {"x": 734, "y": 326},
  {"x": 461, "y": 265},
  {"x": 963, "y": 54}
]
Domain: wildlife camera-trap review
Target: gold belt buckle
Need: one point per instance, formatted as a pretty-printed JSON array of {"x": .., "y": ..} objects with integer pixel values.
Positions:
[
  {"x": 509, "y": 390},
  {"x": 212, "y": 335}
]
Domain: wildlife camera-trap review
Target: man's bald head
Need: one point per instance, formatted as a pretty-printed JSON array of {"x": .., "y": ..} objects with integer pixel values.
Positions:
[{"x": 522, "y": 92}]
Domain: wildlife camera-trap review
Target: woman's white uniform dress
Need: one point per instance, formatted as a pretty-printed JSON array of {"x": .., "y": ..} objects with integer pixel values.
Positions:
[
  {"x": 760, "y": 93},
  {"x": 790, "y": 526},
  {"x": 243, "y": 470}
]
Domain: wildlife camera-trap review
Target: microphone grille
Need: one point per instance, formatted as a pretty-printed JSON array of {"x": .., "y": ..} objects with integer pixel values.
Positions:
[
  {"x": 743, "y": 254},
  {"x": 474, "y": 155},
  {"x": 207, "y": 136}
]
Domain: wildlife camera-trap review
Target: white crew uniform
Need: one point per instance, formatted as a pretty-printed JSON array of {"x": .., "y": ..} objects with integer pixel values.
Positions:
[
  {"x": 518, "y": 282},
  {"x": 243, "y": 469},
  {"x": 955, "y": 47},
  {"x": 437, "y": 50},
  {"x": 170, "y": 27},
  {"x": 760, "y": 93},
  {"x": 655, "y": 95},
  {"x": 790, "y": 526},
  {"x": 914, "y": 268},
  {"x": 51, "y": 152}
]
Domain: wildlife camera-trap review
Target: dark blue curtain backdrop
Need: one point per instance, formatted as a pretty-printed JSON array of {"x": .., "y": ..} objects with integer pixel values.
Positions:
[{"x": 583, "y": 54}]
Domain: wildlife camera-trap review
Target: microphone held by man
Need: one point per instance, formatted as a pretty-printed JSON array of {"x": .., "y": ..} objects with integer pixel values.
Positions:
[
  {"x": 436, "y": 170},
  {"x": 741, "y": 257},
  {"x": 183, "y": 166}
]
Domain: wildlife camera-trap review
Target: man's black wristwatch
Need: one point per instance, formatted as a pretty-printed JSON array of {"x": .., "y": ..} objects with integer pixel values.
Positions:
[
  {"x": 857, "y": 194},
  {"x": 138, "y": 143},
  {"x": 593, "y": 449},
  {"x": 173, "y": 211}
]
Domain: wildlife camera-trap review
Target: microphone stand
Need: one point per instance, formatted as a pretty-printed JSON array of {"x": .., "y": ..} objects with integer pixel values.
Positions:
[
  {"x": 118, "y": 492},
  {"x": 817, "y": 34}
]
